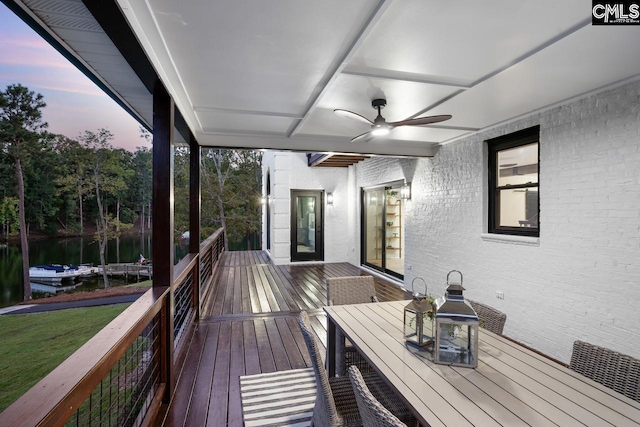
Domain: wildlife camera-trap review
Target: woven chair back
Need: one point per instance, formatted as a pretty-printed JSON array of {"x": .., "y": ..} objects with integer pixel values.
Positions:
[
  {"x": 490, "y": 318},
  {"x": 617, "y": 371},
  {"x": 324, "y": 412},
  {"x": 350, "y": 290},
  {"x": 372, "y": 412}
]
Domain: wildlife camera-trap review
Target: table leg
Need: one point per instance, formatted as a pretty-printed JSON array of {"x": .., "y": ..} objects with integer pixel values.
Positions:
[
  {"x": 340, "y": 368},
  {"x": 331, "y": 348}
]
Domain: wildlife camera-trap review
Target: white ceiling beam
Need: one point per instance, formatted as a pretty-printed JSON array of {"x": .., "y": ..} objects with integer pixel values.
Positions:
[
  {"x": 339, "y": 63},
  {"x": 319, "y": 145},
  {"x": 378, "y": 73}
]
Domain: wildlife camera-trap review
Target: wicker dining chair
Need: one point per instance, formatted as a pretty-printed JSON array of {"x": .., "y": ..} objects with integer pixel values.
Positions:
[
  {"x": 617, "y": 371},
  {"x": 351, "y": 290},
  {"x": 335, "y": 402},
  {"x": 373, "y": 414},
  {"x": 490, "y": 318}
]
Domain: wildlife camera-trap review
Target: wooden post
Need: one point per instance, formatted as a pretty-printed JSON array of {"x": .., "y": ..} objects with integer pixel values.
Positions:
[
  {"x": 194, "y": 216},
  {"x": 162, "y": 247}
]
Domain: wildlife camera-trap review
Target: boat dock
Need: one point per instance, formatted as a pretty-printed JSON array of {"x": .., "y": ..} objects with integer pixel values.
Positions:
[{"x": 130, "y": 270}]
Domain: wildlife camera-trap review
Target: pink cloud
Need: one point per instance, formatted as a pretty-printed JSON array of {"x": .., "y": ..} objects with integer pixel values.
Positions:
[{"x": 32, "y": 51}]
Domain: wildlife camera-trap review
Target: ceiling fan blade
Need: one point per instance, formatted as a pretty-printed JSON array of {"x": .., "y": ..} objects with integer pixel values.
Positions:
[
  {"x": 361, "y": 136},
  {"x": 419, "y": 121},
  {"x": 351, "y": 115}
]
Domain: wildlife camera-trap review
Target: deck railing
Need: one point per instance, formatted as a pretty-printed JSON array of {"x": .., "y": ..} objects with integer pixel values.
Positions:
[{"x": 119, "y": 377}]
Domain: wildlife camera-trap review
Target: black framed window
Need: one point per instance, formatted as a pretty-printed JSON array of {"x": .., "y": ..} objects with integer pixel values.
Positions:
[{"x": 514, "y": 199}]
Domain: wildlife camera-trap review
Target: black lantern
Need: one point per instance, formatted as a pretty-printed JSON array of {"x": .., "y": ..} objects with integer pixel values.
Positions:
[
  {"x": 456, "y": 328},
  {"x": 418, "y": 318}
]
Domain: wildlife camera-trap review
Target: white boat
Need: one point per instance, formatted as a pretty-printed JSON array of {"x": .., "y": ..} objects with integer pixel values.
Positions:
[
  {"x": 87, "y": 270},
  {"x": 54, "y": 273}
]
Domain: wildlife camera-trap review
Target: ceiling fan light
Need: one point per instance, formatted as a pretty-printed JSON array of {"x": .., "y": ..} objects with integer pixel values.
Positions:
[{"x": 378, "y": 131}]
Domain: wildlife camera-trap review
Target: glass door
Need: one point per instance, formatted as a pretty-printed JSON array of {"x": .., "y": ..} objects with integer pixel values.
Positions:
[
  {"x": 373, "y": 228},
  {"x": 383, "y": 230},
  {"x": 394, "y": 232},
  {"x": 306, "y": 226}
]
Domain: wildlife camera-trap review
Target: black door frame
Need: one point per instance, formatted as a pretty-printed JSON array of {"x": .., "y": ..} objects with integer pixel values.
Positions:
[
  {"x": 268, "y": 209},
  {"x": 318, "y": 255},
  {"x": 363, "y": 234}
]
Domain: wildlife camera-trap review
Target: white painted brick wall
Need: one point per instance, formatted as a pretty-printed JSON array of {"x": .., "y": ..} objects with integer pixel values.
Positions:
[
  {"x": 290, "y": 172},
  {"x": 582, "y": 281}
]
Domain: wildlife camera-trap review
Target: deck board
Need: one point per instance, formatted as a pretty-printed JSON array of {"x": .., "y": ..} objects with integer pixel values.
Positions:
[
  {"x": 249, "y": 326},
  {"x": 236, "y": 369},
  {"x": 202, "y": 386},
  {"x": 219, "y": 399}
]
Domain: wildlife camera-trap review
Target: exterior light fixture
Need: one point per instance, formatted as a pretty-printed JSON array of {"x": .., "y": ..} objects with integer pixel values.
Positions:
[
  {"x": 456, "y": 328},
  {"x": 329, "y": 198},
  {"x": 263, "y": 200},
  {"x": 405, "y": 191}
]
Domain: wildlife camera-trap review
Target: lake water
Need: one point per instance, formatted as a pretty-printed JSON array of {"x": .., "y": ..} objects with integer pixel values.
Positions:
[{"x": 76, "y": 250}]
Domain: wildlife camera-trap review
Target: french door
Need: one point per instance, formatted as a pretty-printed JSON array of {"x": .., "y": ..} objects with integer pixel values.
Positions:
[
  {"x": 383, "y": 230},
  {"x": 306, "y": 225}
]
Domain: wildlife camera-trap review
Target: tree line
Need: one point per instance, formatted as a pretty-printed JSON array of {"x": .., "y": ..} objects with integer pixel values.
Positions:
[{"x": 55, "y": 185}]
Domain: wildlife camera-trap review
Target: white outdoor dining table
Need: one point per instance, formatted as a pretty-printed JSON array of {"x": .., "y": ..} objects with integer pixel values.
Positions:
[{"x": 512, "y": 385}]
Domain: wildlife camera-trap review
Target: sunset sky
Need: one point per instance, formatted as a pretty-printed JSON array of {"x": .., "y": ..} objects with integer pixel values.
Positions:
[{"x": 74, "y": 103}]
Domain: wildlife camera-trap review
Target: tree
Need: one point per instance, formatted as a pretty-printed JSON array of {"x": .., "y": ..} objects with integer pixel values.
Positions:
[
  {"x": 231, "y": 188},
  {"x": 143, "y": 183},
  {"x": 74, "y": 177},
  {"x": 181, "y": 192},
  {"x": 214, "y": 180},
  {"x": 245, "y": 193},
  {"x": 20, "y": 126},
  {"x": 143, "y": 164},
  {"x": 109, "y": 177},
  {"x": 41, "y": 201},
  {"x": 9, "y": 218}
]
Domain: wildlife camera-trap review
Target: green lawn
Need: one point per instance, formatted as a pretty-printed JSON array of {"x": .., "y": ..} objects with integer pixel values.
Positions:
[
  {"x": 32, "y": 345},
  {"x": 145, "y": 284}
]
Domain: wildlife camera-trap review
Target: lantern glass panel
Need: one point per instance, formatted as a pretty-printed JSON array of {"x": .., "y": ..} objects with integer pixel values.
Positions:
[
  {"x": 411, "y": 325},
  {"x": 418, "y": 325},
  {"x": 457, "y": 342}
]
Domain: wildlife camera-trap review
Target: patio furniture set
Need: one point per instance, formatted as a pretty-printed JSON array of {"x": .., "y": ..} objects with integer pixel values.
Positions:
[{"x": 374, "y": 378}]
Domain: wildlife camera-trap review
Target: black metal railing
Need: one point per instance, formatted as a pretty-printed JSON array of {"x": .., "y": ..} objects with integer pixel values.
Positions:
[
  {"x": 125, "y": 394},
  {"x": 210, "y": 252},
  {"x": 183, "y": 296},
  {"x": 206, "y": 268}
]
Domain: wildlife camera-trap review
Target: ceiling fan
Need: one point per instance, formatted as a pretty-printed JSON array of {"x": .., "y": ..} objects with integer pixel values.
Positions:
[{"x": 380, "y": 126}]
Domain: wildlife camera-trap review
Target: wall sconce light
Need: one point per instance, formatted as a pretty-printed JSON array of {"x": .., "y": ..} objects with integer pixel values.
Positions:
[
  {"x": 329, "y": 198},
  {"x": 405, "y": 191},
  {"x": 263, "y": 201}
]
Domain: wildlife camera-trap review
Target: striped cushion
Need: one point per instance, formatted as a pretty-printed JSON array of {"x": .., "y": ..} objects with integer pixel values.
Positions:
[{"x": 284, "y": 398}]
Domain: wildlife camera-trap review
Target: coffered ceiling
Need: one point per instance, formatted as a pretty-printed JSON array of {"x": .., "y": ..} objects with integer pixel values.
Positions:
[{"x": 268, "y": 74}]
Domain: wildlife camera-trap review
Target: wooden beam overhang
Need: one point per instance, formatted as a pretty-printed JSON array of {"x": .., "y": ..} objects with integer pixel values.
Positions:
[{"x": 334, "y": 160}]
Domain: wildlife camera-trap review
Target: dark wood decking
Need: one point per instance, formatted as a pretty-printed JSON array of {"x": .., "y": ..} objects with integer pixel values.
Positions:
[{"x": 249, "y": 326}]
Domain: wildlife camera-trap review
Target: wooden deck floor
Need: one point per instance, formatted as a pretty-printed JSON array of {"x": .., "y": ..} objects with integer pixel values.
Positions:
[{"x": 249, "y": 326}]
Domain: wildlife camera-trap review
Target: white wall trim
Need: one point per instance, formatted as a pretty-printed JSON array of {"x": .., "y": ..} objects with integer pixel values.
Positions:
[{"x": 510, "y": 239}]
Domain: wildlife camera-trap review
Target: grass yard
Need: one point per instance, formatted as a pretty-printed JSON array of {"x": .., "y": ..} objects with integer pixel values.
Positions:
[
  {"x": 32, "y": 345},
  {"x": 143, "y": 284}
]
